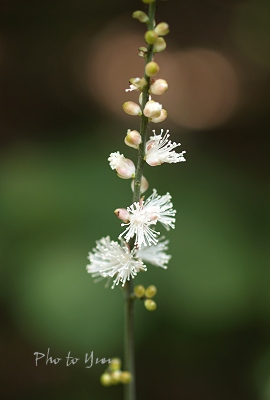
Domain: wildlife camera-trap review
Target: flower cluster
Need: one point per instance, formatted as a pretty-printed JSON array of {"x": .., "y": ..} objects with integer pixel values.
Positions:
[{"x": 139, "y": 243}]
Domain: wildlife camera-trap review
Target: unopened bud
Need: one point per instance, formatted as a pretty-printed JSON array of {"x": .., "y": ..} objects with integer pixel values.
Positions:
[
  {"x": 144, "y": 185},
  {"x": 132, "y": 108},
  {"x": 162, "y": 29},
  {"x": 133, "y": 139},
  {"x": 106, "y": 379},
  {"x": 163, "y": 115},
  {"x": 126, "y": 170},
  {"x": 150, "y": 305},
  {"x": 115, "y": 364},
  {"x": 150, "y": 291},
  {"x": 142, "y": 51},
  {"x": 122, "y": 214},
  {"x": 116, "y": 377},
  {"x": 125, "y": 377},
  {"x": 141, "y": 16},
  {"x": 159, "y": 45},
  {"x": 151, "y": 68},
  {"x": 150, "y": 37},
  {"x": 159, "y": 87},
  {"x": 152, "y": 109},
  {"x": 139, "y": 291},
  {"x": 148, "y": 1}
]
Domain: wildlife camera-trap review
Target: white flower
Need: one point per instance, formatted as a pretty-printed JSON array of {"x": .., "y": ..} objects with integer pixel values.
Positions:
[
  {"x": 124, "y": 167},
  {"x": 144, "y": 214},
  {"x": 160, "y": 150},
  {"x": 160, "y": 209},
  {"x": 110, "y": 259},
  {"x": 155, "y": 254}
]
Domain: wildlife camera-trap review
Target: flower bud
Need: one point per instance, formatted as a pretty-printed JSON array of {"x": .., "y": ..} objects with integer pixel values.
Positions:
[
  {"x": 133, "y": 139},
  {"x": 115, "y": 364},
  {"x": 125, "y": 377},
  {"x": 159, "y": 87},
  {"x": 116, "y": 377},
  {"x": 142, "y": 51},
  {"x": 122, "y": 214},
  {"x": 152, "y": 68},
  {"x": 144, "y": 185},
  {"x": 148, "y": 1},
  {"x": 150, "y": 291},
  {"x": 152, "y": 109},
  {"x": 163, "y": 115},
  {"x": 105, "y": 379},
  {"x": 150, "y": 305},
  {"x": 132, "y": 108},
  {"x": 159, "y": 45},
  {"x": 141, "y": 16},
  {"x": 150, "y": 37},
  {"x": 126, "y": 170},
  {"x": 162, "y": 29},
  {"x": 139, "y": 291}
]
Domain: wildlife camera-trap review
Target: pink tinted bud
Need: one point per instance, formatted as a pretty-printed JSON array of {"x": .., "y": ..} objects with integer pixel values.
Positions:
[
  {"x": 122, "y": 214},
  {"x": 163, "y": 115},
  {"x": 132, "y": 108},
  {"x": 152, "y": 109},
  {"x": 159, "y": 87},
  {"x": 133, "y": 139},
  {"x": 144, "y": 185},
  {"x": 126, "y": 169}
]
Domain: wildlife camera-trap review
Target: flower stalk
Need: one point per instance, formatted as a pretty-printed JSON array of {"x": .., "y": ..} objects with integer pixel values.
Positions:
[
  {"x": 129, "y": 348},
  {"x": 139, "y": 243},
  {"x": 145, "y": 99}
]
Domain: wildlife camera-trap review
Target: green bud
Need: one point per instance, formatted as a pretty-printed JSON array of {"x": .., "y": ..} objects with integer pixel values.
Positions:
[
  {"x": 162, "y": 29},
  {"x": 115, "y": 364},
  {"x": 116, "y": 377},
  {"x": 105, "y": 379},
  {"x": 150, "y": 291},
  {"x": 150, "y": 37},
  {"x": 148, "y": 1},
  {"x": 141, "y": 16},
  {"x": 150, "y": 305},
  {"x": 139, "y": 291},
  {"x": 125, "y": 377},
  {"x": 152, "y": 68},
  {"x": 159, "y": 45}
]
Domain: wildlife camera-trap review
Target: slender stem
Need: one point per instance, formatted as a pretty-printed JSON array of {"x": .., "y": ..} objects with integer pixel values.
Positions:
[
  {"x": 144, "y": 119},
  {"x": 130, "y": 389}
]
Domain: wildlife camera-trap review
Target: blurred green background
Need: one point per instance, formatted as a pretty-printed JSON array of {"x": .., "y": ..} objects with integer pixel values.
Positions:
[{"x": 63, "y": 70}]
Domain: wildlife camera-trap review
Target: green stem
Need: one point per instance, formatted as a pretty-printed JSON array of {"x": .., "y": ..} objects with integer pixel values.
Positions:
[
  {"x": 129, "y": 389},
  {"x": 129, "y": 358}
]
